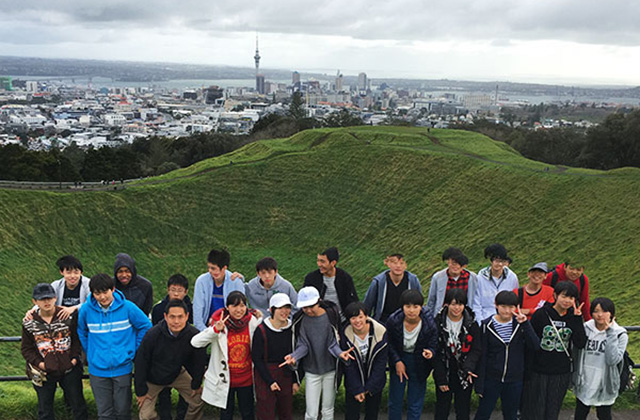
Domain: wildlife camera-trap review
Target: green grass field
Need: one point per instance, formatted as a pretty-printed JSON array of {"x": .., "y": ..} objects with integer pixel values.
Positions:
[{"x": 368, "y": 190}]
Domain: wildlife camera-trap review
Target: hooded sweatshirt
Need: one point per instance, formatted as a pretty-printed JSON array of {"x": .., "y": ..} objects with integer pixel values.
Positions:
[
  {"x": 596, "y": 378},
  {"x": 259, "y": 297},
  {"x": 483, "y": 300},
  {"x": 111, "y": 337},
  {"x": 551, "y": 358},
  {"x": 139, "y": 290}
]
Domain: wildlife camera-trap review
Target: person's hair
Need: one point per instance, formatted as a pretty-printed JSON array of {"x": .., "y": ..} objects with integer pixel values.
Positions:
[
  {"x": 235, "y": 298},
  {"x": 353, "y": 309},
  {"x": 178, "y": 280},
  {"x": 573, "y": 263},
  {"x": 331, "y": 253},
  {"x": 398, "y": 256},
  {"x": 456, "y": 255},
  {"x": 459, "y": 295},
  {"x": 506, "y": 297},
  {"x": 101, "y": 282},
  {"x": 273, "y": 309},
  {"x": 411, "y": 297},
  {"x": 69, "y": 262},
  {"x": 568, "y": 288},
  {"x": 219, "y": 257},
  {"x": 176, "y": 303},
  {"x": 509, "y": 260},
  {"x": 267, "y": 263},
  {"x": 605, "y": 303},
  {"x": 494, "y": 251}
]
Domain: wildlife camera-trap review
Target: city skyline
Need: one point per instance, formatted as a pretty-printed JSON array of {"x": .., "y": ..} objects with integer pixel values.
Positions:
[{"x": 586, "y": 42}]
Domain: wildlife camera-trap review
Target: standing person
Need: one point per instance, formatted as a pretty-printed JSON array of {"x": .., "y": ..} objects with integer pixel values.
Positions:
[
  {"x": 596, "y": 379},
  {"x": 133, "y": 286},
  {"x": 456, "y": 361},
  {"x": 560, "y": 329},
  {"x": 266, "y": 284},
  {"x": 110, "y": 328},
  {"x": 214, "y": 287},
  {"x": 229, "y": 372},
  {"x": 316, "y": 329},
  {"x": 167, "y": 359},
  {"x": 506, "y": 337},
  {"x": 71, "y": 290},
  {"x": 383, "y": 296},
  {"x": 177, "y": 289},
  {"x": 573, "y": 272},
  {"x": 334, "y": 284},
  {"x": 491, "y": 280},
  {"x": 272, "y": 341},
  {"x": 51, "y": 347},
  {"x": 455, "y": 276},
  {"x": 366, "y": 375},
  {"x": 533, "y": 295},
  {"x": 413, "y": 338}
]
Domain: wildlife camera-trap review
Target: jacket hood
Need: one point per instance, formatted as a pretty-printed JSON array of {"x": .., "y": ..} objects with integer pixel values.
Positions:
[
  {"x": 257, "y": 283},
  {"x": 590, "y": 326},
  {"x": 125, "y": 260},
  {"x": 118, "y": 301},
  {"x": 267, "y": 322},
  {"x": 375, "y": 327},
  {"x": 560, "y": 271}
]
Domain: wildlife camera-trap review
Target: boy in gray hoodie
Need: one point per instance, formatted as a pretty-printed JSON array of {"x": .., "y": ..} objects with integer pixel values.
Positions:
[{"x": 266, "y": 284}]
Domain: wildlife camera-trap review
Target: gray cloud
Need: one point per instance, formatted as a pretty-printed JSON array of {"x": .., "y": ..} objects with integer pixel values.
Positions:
[{"x": 584, "y": 21}]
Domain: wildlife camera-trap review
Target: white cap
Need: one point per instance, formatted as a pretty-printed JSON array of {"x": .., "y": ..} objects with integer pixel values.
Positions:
[
  {"x": 279, "y": 300},
  {"x": 308, "y": 296}
]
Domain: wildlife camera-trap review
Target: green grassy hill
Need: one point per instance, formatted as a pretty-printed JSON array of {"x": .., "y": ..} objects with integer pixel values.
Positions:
[{"x": 367, "y": 190}]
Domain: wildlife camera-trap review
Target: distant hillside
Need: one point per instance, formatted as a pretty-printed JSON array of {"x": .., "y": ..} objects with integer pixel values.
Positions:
[{"x": 368, "y": 190}]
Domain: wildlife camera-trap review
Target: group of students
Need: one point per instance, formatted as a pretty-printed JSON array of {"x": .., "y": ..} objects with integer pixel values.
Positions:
[{"x": 523, "y": 345}]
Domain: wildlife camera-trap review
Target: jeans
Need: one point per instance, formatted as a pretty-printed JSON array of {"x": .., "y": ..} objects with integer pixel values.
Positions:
[
  {"x": 509, "y": 394},
  {"x": 71, "y": 384},
  {"x": 317, "y": 386},
  {"x": 245, "y": 403},
  {"x": 112, "y": 396},
  {"x": 371, "y": 407},
  {"x": 416, "y": 388}
]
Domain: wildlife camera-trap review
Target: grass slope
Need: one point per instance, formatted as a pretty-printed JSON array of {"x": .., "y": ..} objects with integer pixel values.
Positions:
[{"x": 368, "y": 190}]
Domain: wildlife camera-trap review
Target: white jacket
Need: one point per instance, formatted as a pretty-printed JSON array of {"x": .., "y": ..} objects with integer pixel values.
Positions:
[
  {"x": 216, "y": 378},
  {"x": 59, "y": 285}
]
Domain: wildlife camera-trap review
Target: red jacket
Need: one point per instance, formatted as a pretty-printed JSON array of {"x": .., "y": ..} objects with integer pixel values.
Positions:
[{"x": 583, "y": 292}]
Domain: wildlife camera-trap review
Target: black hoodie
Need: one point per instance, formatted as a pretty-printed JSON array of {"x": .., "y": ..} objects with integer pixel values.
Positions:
[{"x": 139, "y": 290}]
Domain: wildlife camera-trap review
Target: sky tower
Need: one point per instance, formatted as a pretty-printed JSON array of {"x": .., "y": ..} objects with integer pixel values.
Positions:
[
  {"x": 259, "y": 77},
  {"x": 257, "y": 57}
]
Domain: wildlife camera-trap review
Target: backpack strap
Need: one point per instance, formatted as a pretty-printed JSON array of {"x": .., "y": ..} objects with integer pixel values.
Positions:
[
  {"x": 264, "y": 340},
  {"x": 520, "y": 296},
  {"x": 554, "y": 278}
]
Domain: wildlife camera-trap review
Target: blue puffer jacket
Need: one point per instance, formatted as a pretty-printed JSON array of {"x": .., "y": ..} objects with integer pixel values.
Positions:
[{"x": 427, "y": 339}]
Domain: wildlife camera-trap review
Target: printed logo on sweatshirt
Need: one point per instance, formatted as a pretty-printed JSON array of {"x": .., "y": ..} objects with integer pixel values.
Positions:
[
  {"x": 550, "y": 341},
  {"x": 596, "y": 346}
]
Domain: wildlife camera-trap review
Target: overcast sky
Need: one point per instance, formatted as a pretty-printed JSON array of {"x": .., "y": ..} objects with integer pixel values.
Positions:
[{"x": 547, "y": 41}]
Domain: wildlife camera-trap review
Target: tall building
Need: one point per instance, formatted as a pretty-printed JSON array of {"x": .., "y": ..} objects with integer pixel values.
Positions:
[
  {"x": 362, "y": 81},
  {"x": 295, "y": 78},
  {"x": 339, "y": 82},
  {"x": 260, "y": 84},
  {"x": 212, "y": 93}
]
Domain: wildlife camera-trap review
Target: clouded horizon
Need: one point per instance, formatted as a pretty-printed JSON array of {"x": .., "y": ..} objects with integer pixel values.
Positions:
[{"x": 563, "y": 41}]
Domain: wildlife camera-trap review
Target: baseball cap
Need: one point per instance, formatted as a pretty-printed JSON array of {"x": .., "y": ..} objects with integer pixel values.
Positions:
[
  {"x": 279, "y": 300},
  {"x": 308, "y": 296},
  {"x": 43, "y": 291},
  {"x": 542, "y": 266}
]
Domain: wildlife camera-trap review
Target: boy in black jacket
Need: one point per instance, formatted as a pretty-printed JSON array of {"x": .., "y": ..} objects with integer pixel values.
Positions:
[
  {"x": 506, "y": 336},
  {"x": 560, "y": 328},
  {"x": 167, "y": 358},
  {"x": 177, "y": 289}
]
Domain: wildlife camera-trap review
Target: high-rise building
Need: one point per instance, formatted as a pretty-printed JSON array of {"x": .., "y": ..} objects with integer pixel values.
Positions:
[
  {"x": 260, "y": 84},
  {"x": 295, "y": 78},
  {"x": 6, "y": 83},
  {"x": 212, "y": 93},
  {"x": 339, "y": 82},
  {"x": 362, "y": 81}
]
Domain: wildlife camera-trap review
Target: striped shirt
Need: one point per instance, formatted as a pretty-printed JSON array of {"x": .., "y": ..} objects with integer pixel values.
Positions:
[{"x": 503, "y": 330}]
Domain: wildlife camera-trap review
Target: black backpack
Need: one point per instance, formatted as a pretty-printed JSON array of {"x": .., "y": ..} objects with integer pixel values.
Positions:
[{"x": 627, "y": 376}]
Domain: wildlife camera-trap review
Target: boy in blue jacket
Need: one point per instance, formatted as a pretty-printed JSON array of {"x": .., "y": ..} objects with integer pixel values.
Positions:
[
  {"x": 506, "y": 336},
  {"x": 110, "y": 329}
]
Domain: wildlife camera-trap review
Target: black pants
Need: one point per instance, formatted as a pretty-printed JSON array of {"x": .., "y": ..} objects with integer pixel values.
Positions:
[
  {"x": 543, "y": 396},
  {"x": 71, "y": 384},
  {"x": 164, "y": 406},
  {"x": 371, "y": 407},
  {"x": 582, "y": 411},
  {"x": 462, "y": 402},
  {"x": 245, "y": 403}
]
